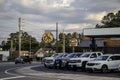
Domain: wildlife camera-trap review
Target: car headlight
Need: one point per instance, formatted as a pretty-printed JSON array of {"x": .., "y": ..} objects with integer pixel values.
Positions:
[
  {"x": 97, "y": 63},
  {"x": 64, "y": 61},
  {"x": 78, "y": 61},
  {"x": 21, "y": 59}
]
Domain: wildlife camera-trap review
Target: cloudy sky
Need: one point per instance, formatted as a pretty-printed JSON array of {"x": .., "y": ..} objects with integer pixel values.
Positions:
[{"x": 40, "y": 15}]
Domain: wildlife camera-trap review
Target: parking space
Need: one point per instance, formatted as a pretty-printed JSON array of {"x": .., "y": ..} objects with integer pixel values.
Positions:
[{"x": 75, "y": 75}]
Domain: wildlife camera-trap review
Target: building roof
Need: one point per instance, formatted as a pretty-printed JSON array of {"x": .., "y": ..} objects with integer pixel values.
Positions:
[{"x": 86, "y": 43}]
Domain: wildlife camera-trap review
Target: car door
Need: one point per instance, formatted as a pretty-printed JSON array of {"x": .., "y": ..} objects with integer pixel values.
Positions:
[
  {"x": 112, "y": 62},
  {"x": 117, "y": 61}
]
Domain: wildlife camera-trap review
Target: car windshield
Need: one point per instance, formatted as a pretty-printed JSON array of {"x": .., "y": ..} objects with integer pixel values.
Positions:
[
  {"x": 85, "y": 55},
  {"x": 101, "y": 58},
  {"x": 70, "y": 55},
  {"x": 54, "y": 55},
  {"x": 59, "y": 56},
  {"x": 77, "y": 55}
]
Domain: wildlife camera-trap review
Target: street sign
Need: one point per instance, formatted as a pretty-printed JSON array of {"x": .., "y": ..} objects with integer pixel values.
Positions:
[
  {"x": 73, "y": 42},
  {"x": 48, "y": 37}
]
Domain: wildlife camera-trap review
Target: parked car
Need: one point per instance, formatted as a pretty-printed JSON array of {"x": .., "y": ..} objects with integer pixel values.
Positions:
[
  {"x": 104, "y": 63},
  {"x": 80, "y": 62},
  {"x": 62, "y": 60},
  {"x": 65, "y": 60},
  {"x": 23, "y": 59},
  {"x": 58, "y": 60},
  {"x": 119, "y": 68},
  {"x": 50, "y": 61}
]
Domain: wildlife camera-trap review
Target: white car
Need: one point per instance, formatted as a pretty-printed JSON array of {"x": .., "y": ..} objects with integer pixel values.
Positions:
[
  {"x": 104, "y": 63},
  {"x": 80, "y": 62},
  {"x": 119, "y": 68}
]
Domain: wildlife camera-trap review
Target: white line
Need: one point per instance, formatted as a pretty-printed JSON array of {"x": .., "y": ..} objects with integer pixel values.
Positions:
[
  {"x": 6, "y": 71},
  {"x": 12, "y": 77}
]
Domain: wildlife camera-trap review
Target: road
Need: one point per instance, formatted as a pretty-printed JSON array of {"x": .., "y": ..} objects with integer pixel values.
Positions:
[
  {"x": 8, "y": 72},
  {"x": 36, "y": 71}
]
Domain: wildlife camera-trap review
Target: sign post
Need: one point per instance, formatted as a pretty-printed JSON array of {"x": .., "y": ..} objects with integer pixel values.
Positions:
[{"x": 73, "y": 43}]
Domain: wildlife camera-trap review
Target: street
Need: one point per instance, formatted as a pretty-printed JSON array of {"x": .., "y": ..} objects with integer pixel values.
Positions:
[{"x": 36, "y": 71}]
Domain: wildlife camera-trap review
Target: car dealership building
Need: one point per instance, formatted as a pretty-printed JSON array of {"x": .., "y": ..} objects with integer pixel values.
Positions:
[{"x": 102, "y": 39}]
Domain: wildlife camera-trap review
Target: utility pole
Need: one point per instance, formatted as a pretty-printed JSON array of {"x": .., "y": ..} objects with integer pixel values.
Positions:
[
  {"x": 30, "y": 47},
  {"x": 63, "y": 42},
  {"x": 20, "y": 34},
  {"x": 56, "y": 37},
  {"x": 11, "y": 49}
]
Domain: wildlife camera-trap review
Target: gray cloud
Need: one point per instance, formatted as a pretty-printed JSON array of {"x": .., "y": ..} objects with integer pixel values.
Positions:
[{"x": 46, "y": 13}]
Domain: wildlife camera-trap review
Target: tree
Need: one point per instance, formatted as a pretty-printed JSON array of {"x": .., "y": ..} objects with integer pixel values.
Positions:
[
  {"x": 110, "y": 20},
  {"x": 27, "y": 40}
]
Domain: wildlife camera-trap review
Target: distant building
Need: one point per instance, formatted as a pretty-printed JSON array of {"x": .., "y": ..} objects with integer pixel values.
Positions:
[{"x": 4, "y": 55}]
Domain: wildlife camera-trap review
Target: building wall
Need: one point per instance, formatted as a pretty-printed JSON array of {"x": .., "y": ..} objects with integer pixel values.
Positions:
[{"x": 4, "y": 55}]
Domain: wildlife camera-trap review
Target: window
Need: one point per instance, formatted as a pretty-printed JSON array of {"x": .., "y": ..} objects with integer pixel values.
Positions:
[
  {"x": 99, "y": 54},
  {"x": 93, "y": 55},
  {"x": 115, "y": 57}
]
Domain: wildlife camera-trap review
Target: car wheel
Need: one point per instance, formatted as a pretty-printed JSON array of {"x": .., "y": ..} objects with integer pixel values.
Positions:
[
  {"x": 30, "y": 62},
  {"x": 44, "y": 65},
  {"x": 83, "y": 66},
  {"x": 74, "y": 68},
  {"x": 15, "y": 62},
  {"x": 90, "y": 71},
  {"x": 104, "y": 68}
]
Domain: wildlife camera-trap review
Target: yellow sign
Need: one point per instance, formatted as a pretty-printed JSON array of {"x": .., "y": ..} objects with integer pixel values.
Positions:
[{"x": 48, "y": 37}]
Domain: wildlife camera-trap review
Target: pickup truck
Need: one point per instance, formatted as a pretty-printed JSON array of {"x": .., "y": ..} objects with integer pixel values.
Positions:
[{"x": 81, "y": 61}]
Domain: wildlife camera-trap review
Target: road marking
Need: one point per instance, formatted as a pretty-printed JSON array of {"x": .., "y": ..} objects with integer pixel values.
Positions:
[
  {"x": 6, "y": 71},
  {"x": 12, "y": 77}
]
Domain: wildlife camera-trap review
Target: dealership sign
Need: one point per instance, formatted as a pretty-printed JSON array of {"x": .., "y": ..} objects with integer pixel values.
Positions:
[
  {"x": 47, "y": 37},
  {"x": 73, "y": 42}
]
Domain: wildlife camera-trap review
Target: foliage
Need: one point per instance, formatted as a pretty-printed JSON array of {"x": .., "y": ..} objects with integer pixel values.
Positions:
[
  {"x": 110, "y": 20},
  {"x": 26, "y": 41}
]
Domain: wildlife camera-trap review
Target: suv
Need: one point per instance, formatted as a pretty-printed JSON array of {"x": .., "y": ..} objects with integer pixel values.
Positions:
[
  {"x": 104, "y": 63},
  {"x": 80, "y": 62},
  {"x": 23, "y": 59},
  {"x": 50, "y": 61}
]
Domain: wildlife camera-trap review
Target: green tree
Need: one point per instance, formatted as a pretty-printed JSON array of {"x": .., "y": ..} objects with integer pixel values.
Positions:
[
  {"x": 110, "y": 20},
  {"x": 27, "y": 40}
]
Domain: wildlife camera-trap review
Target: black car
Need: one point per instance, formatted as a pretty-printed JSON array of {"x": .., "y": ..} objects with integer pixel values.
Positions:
[
  {"x": 62, "y": 60},
  {"x": 23, "y": 59},
  {"x": 58, "y": 60}
]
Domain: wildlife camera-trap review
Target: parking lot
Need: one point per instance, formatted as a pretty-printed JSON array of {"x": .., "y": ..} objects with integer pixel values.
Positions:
[{"x": 74, "y": 75}]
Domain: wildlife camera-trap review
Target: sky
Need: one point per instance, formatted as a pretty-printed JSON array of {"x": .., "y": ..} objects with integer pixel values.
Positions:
[{"x": 40, "y": 15}]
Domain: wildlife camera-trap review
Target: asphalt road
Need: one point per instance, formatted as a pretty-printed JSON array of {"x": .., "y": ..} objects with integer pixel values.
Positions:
[
  {"x": 8, "y": 72},
  {"x": 36, "y": 71}
]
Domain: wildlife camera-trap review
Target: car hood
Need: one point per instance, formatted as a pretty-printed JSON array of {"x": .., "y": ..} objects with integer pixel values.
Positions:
[
  {"x": 83, "y": 59},
  {"x": 95, "y": 61},
  {"x": 47, "y": 58}
]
